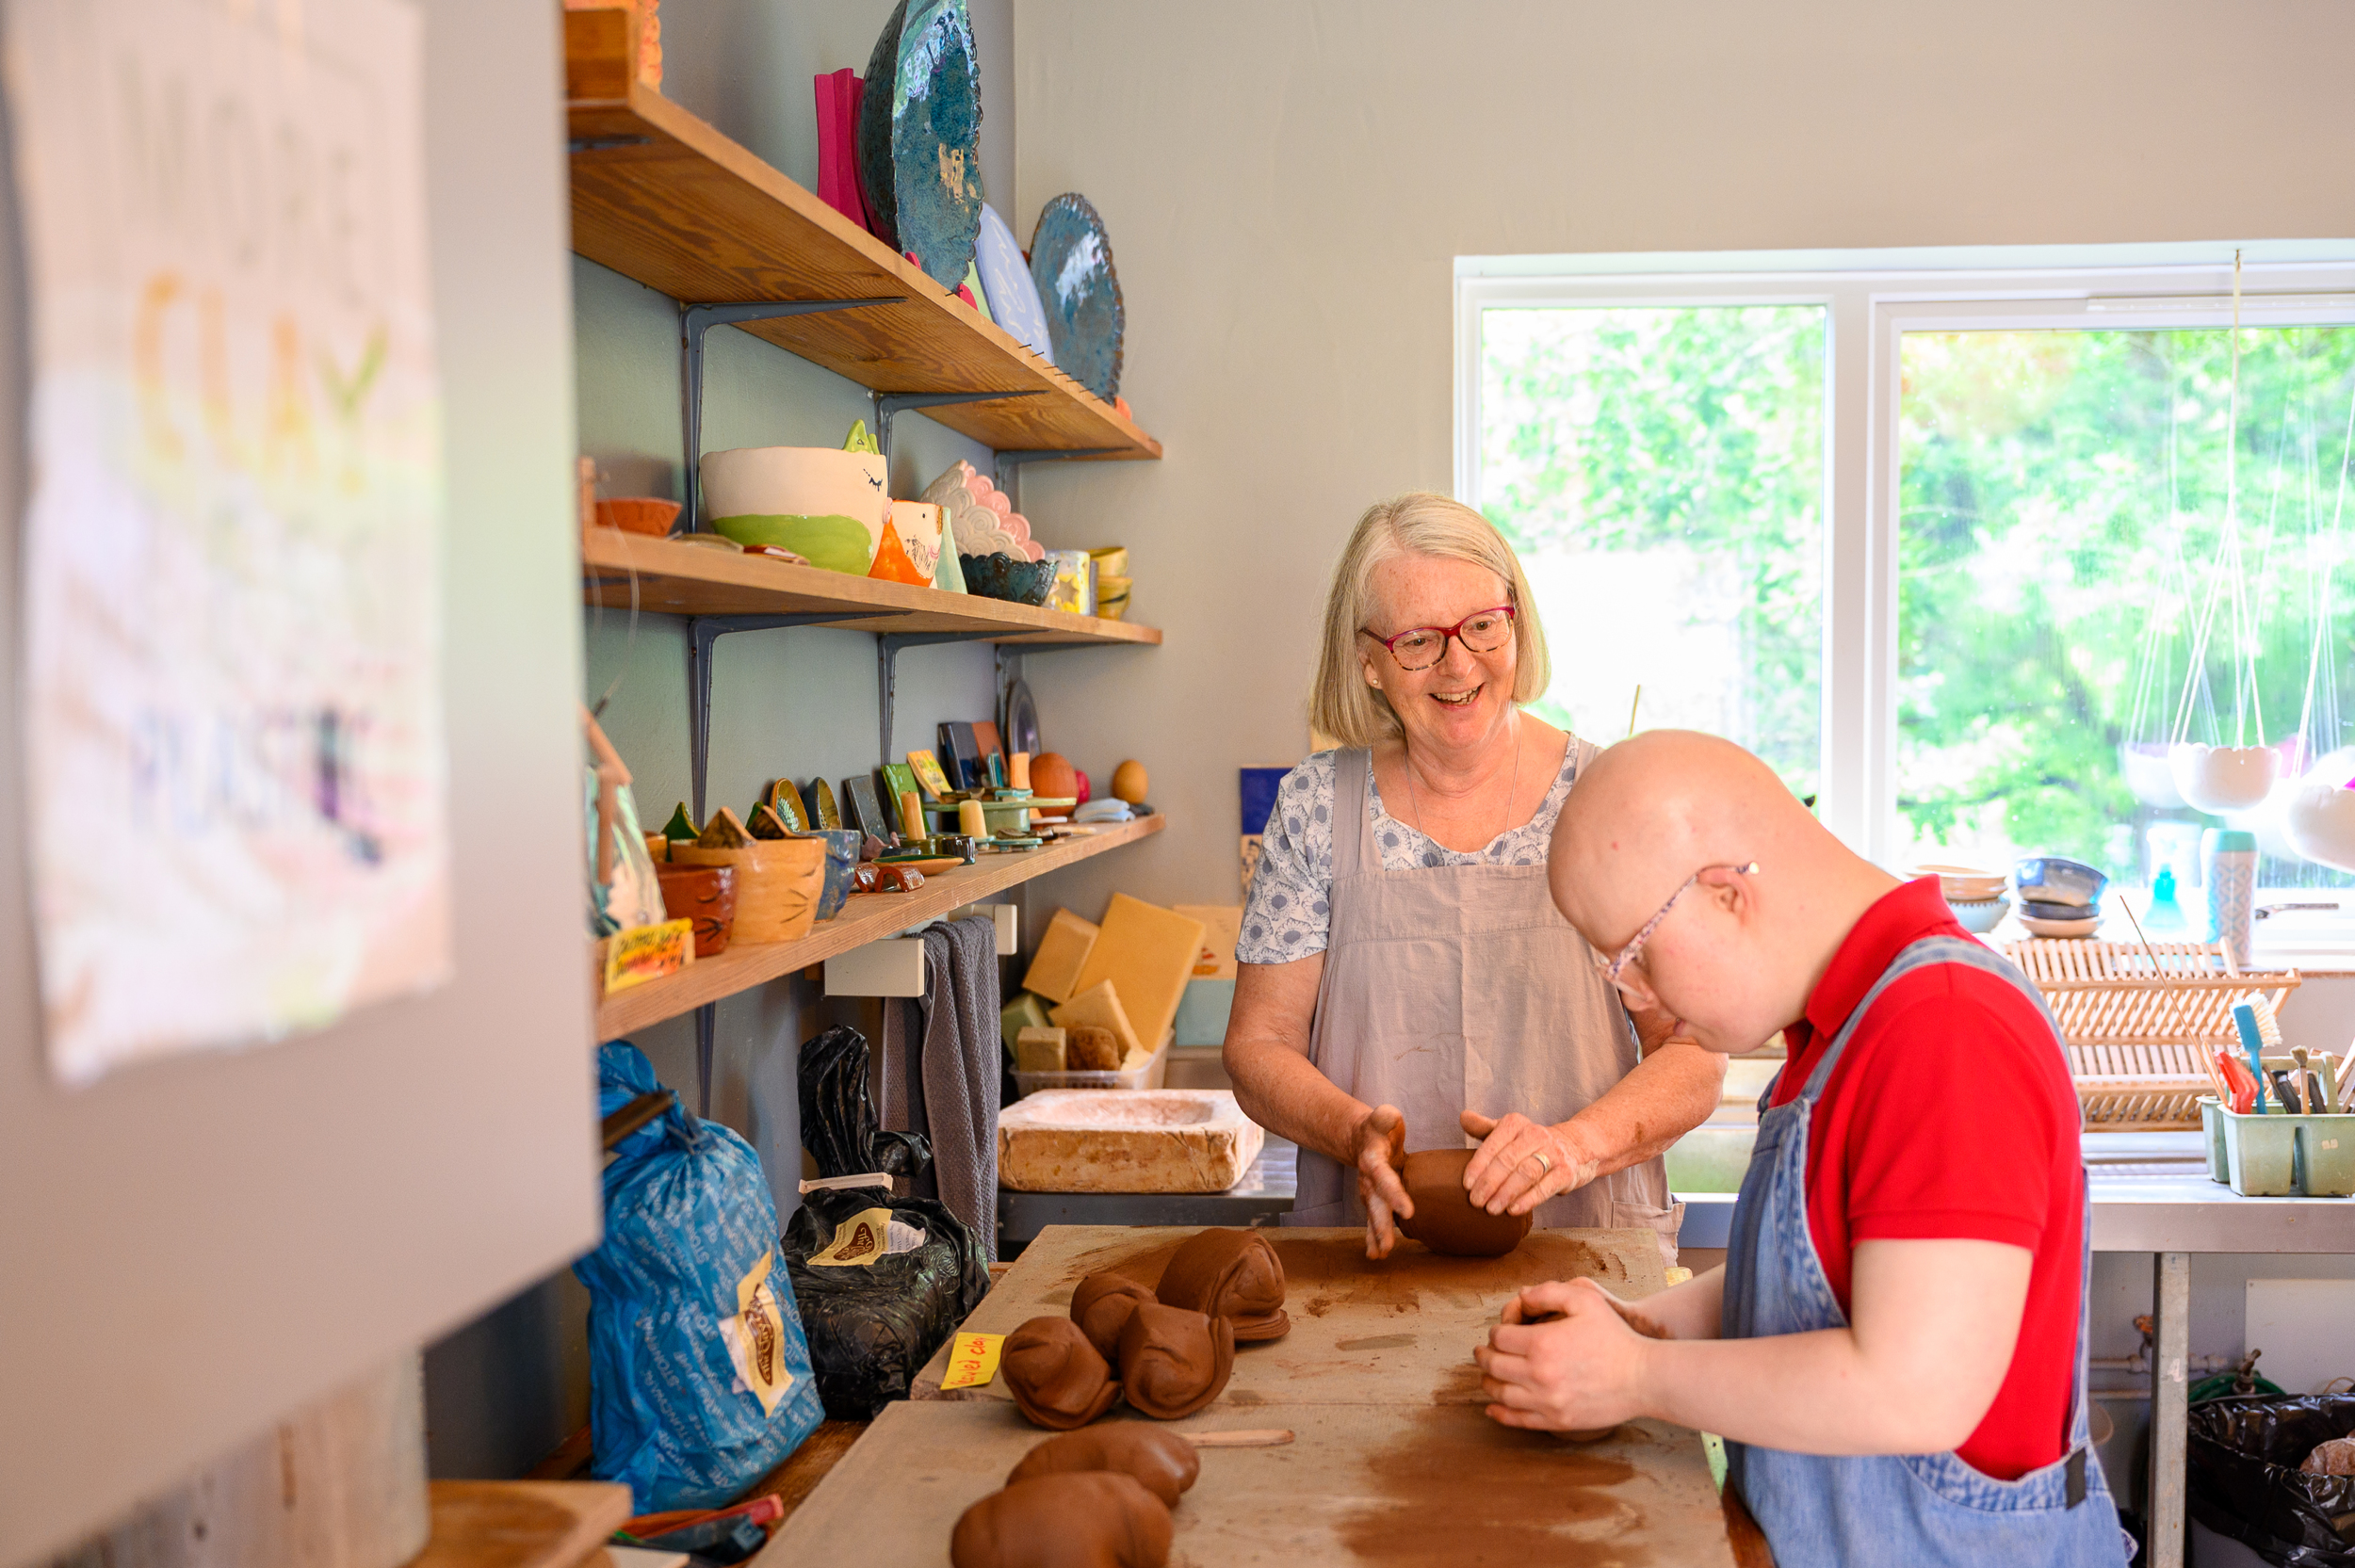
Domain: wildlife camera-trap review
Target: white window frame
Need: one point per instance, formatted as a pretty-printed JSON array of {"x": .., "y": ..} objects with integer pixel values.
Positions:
[{"x": 1871, "y": 298}]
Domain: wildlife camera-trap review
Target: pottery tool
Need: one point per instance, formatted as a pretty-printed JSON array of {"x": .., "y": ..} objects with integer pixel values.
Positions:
[
  {"x": 2252, "y": 1040},
  {"x": 2285, "y": 1092},
  {"x": 1632, "y": 708},
  {"x": 2309, "y": 1085},
  {"x": 1254, "y": 1437}
]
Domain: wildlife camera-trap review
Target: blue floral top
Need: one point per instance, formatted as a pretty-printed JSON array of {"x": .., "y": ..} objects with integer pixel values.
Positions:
[{"x": 1288, "y": 916}]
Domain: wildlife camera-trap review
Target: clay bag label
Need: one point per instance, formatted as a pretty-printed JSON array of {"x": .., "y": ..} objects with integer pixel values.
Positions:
[
  {"x": 755, "y": 1338},
  {"x": 860, "y": 1240}
]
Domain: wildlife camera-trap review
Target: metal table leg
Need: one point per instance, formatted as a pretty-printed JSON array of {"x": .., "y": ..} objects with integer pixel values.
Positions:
[{"x": 2171, "y": 1404}]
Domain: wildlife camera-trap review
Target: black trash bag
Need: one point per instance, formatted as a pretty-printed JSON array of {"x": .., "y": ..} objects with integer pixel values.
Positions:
[
  {"x": 838, "y": 1114},
  {"x": 873, "y": 1324},
  {"x": 2245, "y": 1483}
]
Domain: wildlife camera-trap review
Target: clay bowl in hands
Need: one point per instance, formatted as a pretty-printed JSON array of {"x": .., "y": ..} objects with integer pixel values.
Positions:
[{"x": 1444, "y": 1218}]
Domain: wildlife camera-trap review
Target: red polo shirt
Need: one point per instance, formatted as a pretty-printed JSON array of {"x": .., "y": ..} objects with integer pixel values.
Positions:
[{"x": 1950, "y": 1114}]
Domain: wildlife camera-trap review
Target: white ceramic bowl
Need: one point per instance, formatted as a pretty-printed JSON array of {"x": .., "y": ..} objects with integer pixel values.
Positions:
[
  {"x": 830, "y": 506},
  {"x": 2220, "y": 779},
  {"x": 2061, "y": 928},
  {"x": 2320, "y": 822},
  {"x": 1979, "y": 915}
]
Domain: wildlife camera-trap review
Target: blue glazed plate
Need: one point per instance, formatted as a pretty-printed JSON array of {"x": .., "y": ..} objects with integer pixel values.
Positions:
[
  {"x": 919, "y": 132},
  {"x": 1071, "y": 262},
  {"x": 1006, "y": 284}
]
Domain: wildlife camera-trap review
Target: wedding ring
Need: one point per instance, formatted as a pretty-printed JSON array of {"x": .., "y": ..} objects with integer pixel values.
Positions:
[{"x": 1545, "y": 1165}]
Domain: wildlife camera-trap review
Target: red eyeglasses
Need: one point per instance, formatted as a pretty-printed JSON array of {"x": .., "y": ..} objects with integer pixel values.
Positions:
[{"x": 1421, "y": 647}]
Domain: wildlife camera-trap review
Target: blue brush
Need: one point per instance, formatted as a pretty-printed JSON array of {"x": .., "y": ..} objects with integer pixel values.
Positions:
[{"x": 2253, "y": 1042}]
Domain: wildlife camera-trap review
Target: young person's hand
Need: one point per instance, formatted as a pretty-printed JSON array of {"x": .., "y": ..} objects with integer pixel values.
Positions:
[
  {"x": 1381, "y": 1140},
  {"x": 1566, "y": 1358}
]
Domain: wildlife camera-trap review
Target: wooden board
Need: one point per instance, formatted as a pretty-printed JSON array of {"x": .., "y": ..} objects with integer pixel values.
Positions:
[
  {"x": 660, "y": 197},
  {"x": 1401, "y": 1330},
  {"x": 868, "y": 917},
  {"x": 521, "y": 1524},
  {"x": 670, "y": 577},
  {"x": 1402, "y": 1485}
]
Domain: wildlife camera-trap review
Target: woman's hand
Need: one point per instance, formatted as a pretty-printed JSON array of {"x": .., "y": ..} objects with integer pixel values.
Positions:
[
  {"x": 1381, "y": 1143},
  {"x": 1564, "y": 1359},
  {"x": 1522, "y": 1163}
]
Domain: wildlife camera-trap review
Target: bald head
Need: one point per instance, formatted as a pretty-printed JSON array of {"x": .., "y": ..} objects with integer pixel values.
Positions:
[{"x": 1652, "y": 811}]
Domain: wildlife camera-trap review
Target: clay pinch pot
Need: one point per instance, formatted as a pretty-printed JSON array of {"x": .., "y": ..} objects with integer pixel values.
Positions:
[
  {"x": 1055, "y": 1375},
  {"x": 1172, "y": 1362},
  {"x": 1234, "y": 1275},
  {"x": 778, "y": 884},
  {"x": 1020, "y": 582},
  {"x": 1444, "y": 1218},
  {"x": 704, "y": 895},
  {"x": 842, "y": 864},
  {"x": 1101, "y": 1303},
  {"x": 1162, "y": 1462},
  {"x": 1073, "y": 1519}
]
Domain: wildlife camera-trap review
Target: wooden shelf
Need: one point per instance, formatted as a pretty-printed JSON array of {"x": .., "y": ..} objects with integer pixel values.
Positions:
[
  {"x": 868, "y": 917},
  {"x": 676, "y": 578},
  {"x": 661, "y": 197}
]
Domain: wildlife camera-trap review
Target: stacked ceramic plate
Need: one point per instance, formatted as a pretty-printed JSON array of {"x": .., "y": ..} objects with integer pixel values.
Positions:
[
  {"x": 2058, "y": 896},
  {"x": 1973, "y": 893}
]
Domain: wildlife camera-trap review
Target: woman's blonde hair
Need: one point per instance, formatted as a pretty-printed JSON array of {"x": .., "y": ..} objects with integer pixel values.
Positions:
[{"x": 1419, "y": 522}]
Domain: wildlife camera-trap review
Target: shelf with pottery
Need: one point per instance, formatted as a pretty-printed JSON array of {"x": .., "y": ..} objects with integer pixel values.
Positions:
[
  {"x": 674, "y": 577},
  {"x": 868, "y": 917},
  {"x": 662, "y": 198}
]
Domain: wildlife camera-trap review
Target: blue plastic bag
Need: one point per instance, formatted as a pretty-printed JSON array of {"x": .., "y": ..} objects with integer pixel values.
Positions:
[{"x": 699, "y": 1368}]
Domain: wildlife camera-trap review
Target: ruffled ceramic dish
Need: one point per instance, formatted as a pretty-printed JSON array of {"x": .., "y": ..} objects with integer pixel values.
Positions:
[
  {"x": 1022, "y": 582},
  {"x": 919, "y": 137}
]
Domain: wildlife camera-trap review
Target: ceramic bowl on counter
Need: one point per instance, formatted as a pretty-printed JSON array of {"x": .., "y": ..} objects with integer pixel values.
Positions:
[
  {"x": 1979, "y": 915},
  {"x": 2057, "y": 879},
  {"x": 2038, "y": 908}
]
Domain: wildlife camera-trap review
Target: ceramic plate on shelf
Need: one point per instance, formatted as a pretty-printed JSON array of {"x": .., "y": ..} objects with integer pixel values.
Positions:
[
  {"x": 821, "y": 804},
  {"x": 919, "y": 139},
  {"x": 1006, "y": 284},
  {"x": 1018, "y": 723},
  {"x": 1071, "y": 262}
]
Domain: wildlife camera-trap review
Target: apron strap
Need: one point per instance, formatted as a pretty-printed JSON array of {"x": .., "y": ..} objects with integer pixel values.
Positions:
[{"x": 1353, "y": 811}]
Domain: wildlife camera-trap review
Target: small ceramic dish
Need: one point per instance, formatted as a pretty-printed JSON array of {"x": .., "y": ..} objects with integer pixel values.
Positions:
[
  {"x": 2056, "y": 879},
  {"x": 2040, "y": 910},
  {"x": 1020, "y": 582},
  {"x": 638, "y": 514},
  {"x": 2060, "y": 928},
  {"x": 1979, "y": 915}
]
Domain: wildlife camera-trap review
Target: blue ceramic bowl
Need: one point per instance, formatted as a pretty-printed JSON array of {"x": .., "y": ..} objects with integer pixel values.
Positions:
[
  {"x": 993, "y": 576},
  {"x": 2036, "y": 909},
  {"x": 2053, "y": 880},
  {"x": 841, "y": 860},
  {"x": 1979, "y": 915}
]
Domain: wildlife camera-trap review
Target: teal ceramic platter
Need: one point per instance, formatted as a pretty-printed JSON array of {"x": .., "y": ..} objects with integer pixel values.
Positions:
[
  {"x": 919, "y": 139},
  {"x": 1071, "y": 262}
]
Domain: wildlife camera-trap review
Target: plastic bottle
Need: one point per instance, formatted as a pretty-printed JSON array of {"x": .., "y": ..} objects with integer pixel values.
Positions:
[
  {"x": 2164, "y": 913},
  {"x": 2227, "y": 863}
]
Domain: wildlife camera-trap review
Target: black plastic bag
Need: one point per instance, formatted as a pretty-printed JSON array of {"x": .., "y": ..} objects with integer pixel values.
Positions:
[
  {"x": 838, "y": 1114},
  {"x": 873, "y": 1324},
  {"x": 2245, "y": 1480}
]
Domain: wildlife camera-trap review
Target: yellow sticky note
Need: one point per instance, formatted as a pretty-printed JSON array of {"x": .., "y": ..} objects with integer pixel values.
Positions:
[{"x": 972, "y": 1360}]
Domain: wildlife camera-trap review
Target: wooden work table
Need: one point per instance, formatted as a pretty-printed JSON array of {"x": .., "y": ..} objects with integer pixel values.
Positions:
[{"x": 1393, "y": 1461}]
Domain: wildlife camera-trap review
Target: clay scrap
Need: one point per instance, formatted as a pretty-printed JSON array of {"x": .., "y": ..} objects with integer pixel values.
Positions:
[
  {"x": 1164, "y": 1462},
  {"x": 1100, "y": 1304},
  {"x": 1056, "y": 1377},
  {"x": 1234, "y": 1275},
  {"x": 1172, "y": 1362},
  {"x": 1082, "y": 1519},
  {"x": 1444, "y": 1218}
]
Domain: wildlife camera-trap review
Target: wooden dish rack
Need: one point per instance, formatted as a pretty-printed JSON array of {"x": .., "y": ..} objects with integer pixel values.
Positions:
[{"x": 2140, "y": 1021}]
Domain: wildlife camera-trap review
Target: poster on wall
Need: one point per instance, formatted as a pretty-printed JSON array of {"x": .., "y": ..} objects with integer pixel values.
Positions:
[{"x": 234, "y": 735}]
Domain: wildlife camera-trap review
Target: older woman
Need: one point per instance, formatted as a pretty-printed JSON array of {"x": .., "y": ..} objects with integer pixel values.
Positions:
[{"x": 1405, "y": 979}]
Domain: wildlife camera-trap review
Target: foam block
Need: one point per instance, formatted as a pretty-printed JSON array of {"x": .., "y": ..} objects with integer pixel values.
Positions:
[
  {"x": 1063, "y": 949},
  {"x": 1025, "y": 1012},
  {"x": 1039, "y": 1050},
  {"x": 1098, "y": 1006},
  {"x": 1148, "y": 954}
]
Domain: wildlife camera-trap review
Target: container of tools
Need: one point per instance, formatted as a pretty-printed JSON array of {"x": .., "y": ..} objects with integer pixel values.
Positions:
[{"x": 2278, "y": 1152}]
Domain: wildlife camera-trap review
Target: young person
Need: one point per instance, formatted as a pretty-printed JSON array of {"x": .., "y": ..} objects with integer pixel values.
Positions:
[{"x": 1894, "y": 1350}]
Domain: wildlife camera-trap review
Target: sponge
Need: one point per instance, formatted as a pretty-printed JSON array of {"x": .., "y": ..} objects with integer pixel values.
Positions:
[
  {"x": 1098, "y": 1006},
  {"x": 1062, "y": 951}
]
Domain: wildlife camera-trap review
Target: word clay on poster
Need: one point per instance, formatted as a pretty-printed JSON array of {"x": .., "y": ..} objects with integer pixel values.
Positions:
[{"x": 232, "y": 549}]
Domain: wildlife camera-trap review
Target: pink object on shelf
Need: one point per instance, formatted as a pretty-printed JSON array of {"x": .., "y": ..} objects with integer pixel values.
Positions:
[{"x": 838, "y": 143}]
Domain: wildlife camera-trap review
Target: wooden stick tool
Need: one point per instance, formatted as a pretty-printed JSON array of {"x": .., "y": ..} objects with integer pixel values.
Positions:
[{"x": 1257, "y": 1437}]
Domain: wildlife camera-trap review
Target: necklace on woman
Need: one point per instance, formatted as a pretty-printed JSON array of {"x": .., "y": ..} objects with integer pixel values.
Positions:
[{"x": 1407, "y": 761}]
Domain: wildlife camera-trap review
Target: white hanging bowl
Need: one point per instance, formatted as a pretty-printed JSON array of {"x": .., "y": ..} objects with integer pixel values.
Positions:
[
  {"x": 2219, "y": 779},
  {"x": 2149, "y": 777},
  {"x": 2319, "y": 820}
]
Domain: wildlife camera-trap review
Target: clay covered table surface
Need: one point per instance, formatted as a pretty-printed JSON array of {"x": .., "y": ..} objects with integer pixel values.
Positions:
[
  {"x": 1407, "y": 1486},
  {"x": 1398, "y": 1330}
]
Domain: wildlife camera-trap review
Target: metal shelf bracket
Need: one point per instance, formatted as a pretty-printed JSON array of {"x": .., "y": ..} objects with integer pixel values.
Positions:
[
  {"x": 693, "y": 322},
  {"x": 1006, "y": 462},
  {"x": 702, "y": 632},
  {"x": 887, "y": 646},
  {"x": 888, "y": 404}
]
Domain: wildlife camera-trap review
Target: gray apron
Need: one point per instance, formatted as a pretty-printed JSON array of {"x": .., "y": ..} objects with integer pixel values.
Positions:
[{"x": 1451, "y": 987}]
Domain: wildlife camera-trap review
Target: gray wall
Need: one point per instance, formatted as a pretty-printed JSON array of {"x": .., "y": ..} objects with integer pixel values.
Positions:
[{"x": 192, "y": 1247}]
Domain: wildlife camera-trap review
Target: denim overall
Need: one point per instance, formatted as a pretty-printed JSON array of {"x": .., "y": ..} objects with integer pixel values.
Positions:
[{"x": 1906, "y": 1511}]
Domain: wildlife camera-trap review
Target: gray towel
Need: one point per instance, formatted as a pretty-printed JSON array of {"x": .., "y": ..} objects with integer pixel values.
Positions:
[{"x": 962, "y": 1058}]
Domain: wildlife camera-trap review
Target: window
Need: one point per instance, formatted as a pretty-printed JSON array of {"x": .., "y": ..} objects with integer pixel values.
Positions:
[{"x": 1936, "y": 533}]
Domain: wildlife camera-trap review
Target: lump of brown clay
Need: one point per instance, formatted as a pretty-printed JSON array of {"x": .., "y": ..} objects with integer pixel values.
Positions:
[
  {"x": 1084, "y": 1519},
  {"x": 1164, "y": 1461},
  {"x": 1172, "y": 1362},
  {"x": 1101, "y": 1305},
  {"x": 1088, "y": 1049},
  {"x": 1055, "y": 1375},
  {"x": 1444, "y": 1218},
  {"x": 1234, "y": 1274}
]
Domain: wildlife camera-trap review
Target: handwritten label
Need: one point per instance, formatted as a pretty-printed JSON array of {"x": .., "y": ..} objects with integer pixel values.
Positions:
[
  {"x": 648, "y": 953},
  {"x": 972, "y": 1360}
]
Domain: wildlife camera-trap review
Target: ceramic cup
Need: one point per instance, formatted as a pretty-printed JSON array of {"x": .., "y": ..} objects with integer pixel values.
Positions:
[
  {"x": 706, "y": 895},
  {"x": 841, "y": 861}
]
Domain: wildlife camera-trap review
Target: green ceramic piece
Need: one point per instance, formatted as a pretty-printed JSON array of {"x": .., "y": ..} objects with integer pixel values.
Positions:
[
  {"x": 836, "y": 542},
  {"x": 680, "y": 829},
  {"x": 785, "y": 802},
  {"x": 859, "y": 441},
  {"x": 821, "y": 804}
]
